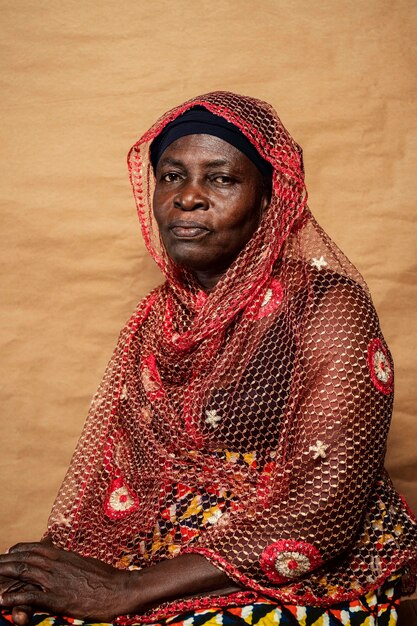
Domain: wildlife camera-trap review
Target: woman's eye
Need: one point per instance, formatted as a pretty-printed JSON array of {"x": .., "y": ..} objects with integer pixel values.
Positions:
[
  {"x": 170, "y": 177},
  {"x": 223, "y": 179}
]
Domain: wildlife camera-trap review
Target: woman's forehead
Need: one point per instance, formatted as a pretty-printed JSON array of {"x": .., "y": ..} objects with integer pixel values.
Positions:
[{"x": 202, "y": 147}]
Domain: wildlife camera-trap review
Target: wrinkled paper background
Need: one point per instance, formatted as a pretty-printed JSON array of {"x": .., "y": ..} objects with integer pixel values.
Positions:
[{"x": 80, "y": 81}]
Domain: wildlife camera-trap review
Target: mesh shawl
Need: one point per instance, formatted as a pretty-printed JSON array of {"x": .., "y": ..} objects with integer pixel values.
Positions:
[{"x": 247, "y": 424}]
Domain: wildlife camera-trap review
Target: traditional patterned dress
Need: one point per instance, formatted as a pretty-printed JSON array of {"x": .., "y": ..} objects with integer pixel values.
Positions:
[
  {"x": 372, "y": 609},
  {"x": 248, "y": 424}
]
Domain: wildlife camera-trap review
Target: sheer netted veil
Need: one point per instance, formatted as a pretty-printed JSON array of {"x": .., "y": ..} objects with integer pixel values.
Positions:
[{"x": 262, "y": 405}]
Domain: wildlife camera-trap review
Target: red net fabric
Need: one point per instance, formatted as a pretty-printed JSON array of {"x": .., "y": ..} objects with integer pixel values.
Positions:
[{"x": 247, "y": 424}]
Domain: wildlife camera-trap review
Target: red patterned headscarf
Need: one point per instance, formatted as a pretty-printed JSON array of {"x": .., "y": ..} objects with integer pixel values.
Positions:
[{"x": 247, "y": 424}]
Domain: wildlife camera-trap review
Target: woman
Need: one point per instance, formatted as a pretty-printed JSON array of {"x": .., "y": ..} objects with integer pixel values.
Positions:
[{"x": 231, "y": 468}]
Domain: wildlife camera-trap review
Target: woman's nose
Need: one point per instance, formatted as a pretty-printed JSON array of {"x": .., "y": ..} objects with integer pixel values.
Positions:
[{"x": 191, "y": 197}]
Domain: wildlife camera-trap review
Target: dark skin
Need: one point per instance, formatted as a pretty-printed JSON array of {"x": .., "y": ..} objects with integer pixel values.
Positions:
[
  {"x": 62, "y": 582},
  {"x": 208, "y": 201}
]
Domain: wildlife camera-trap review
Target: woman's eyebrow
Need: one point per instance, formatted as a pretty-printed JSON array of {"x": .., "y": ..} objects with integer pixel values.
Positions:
[
  {"x": 170, "y": 161},
  {"x": 217, "y": 163}
]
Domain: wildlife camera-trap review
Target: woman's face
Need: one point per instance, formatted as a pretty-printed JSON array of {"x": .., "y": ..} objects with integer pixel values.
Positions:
[{"x": 208, "y": 201}]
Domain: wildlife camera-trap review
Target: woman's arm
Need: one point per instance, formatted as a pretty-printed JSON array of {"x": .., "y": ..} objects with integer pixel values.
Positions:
[{"x": 63, "y": 582}]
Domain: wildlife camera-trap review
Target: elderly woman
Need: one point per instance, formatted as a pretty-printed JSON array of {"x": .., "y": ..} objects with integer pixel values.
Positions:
[{"x": 231, "y": 468}]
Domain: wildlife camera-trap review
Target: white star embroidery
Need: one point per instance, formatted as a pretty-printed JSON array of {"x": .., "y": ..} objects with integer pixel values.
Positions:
[
  {"x": 62, "y": 520},
  {"x": 319, "y": 449},
  {"x": 212, "y": 417},
  {"x": 319, "y": 263}
]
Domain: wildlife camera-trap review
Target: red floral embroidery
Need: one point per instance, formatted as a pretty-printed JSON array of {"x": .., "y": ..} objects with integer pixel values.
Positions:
[
  {"x": 380, "y": 367},
  {"x": 120, "y": 500},
  {"x": 267, "y": 303},
  {"x": 295, "y": 593},
  {"x": 285, "y": 560},
  {"x": 151, "y": 379}
]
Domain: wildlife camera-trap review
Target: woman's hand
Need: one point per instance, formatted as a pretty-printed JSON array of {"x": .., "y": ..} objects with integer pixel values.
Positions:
[
  {"x": 21, "y": 615},
  {"x": 66, "y": 583},
  {"x": 61, "y": 582}
]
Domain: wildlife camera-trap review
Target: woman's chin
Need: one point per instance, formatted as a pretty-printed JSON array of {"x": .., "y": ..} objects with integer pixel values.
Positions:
[{"x": 192, "y": 258}]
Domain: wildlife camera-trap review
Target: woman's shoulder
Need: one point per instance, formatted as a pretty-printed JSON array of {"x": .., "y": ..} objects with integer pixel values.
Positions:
[
  {"x": 320, "y": 280},
  {"x": 327, "y": 298}
]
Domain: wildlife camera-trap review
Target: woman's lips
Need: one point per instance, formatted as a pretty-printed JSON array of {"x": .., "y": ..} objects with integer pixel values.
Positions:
[{"x": 188, "y": 230}]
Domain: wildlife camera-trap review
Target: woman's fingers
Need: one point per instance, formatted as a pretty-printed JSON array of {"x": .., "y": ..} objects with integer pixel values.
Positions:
[
  {"x": 28, "y": 564},
  {"x": 23, "y": 546},
  {"x": 26, "y": 570},
  {"x": 9, "y": 584},
  {"x": 31, "y": 597},
  {"x": 22, "y": 615},
  {"x": 63, "y": 582},
  {"x": 38, "y": 547}
]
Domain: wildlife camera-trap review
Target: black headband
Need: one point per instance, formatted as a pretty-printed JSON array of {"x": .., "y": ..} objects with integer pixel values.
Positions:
[{"x": 200, "y": 121}]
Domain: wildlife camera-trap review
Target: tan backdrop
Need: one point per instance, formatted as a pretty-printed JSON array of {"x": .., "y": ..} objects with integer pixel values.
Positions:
[{"x": 79, "y": 82}]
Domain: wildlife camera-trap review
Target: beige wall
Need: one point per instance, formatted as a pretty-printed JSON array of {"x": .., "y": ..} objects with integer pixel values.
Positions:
[{"x": 79, "y": 82}]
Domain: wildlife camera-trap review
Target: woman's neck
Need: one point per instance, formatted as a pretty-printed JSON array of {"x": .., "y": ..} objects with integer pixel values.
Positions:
[{"x": 209, "y": 279}]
